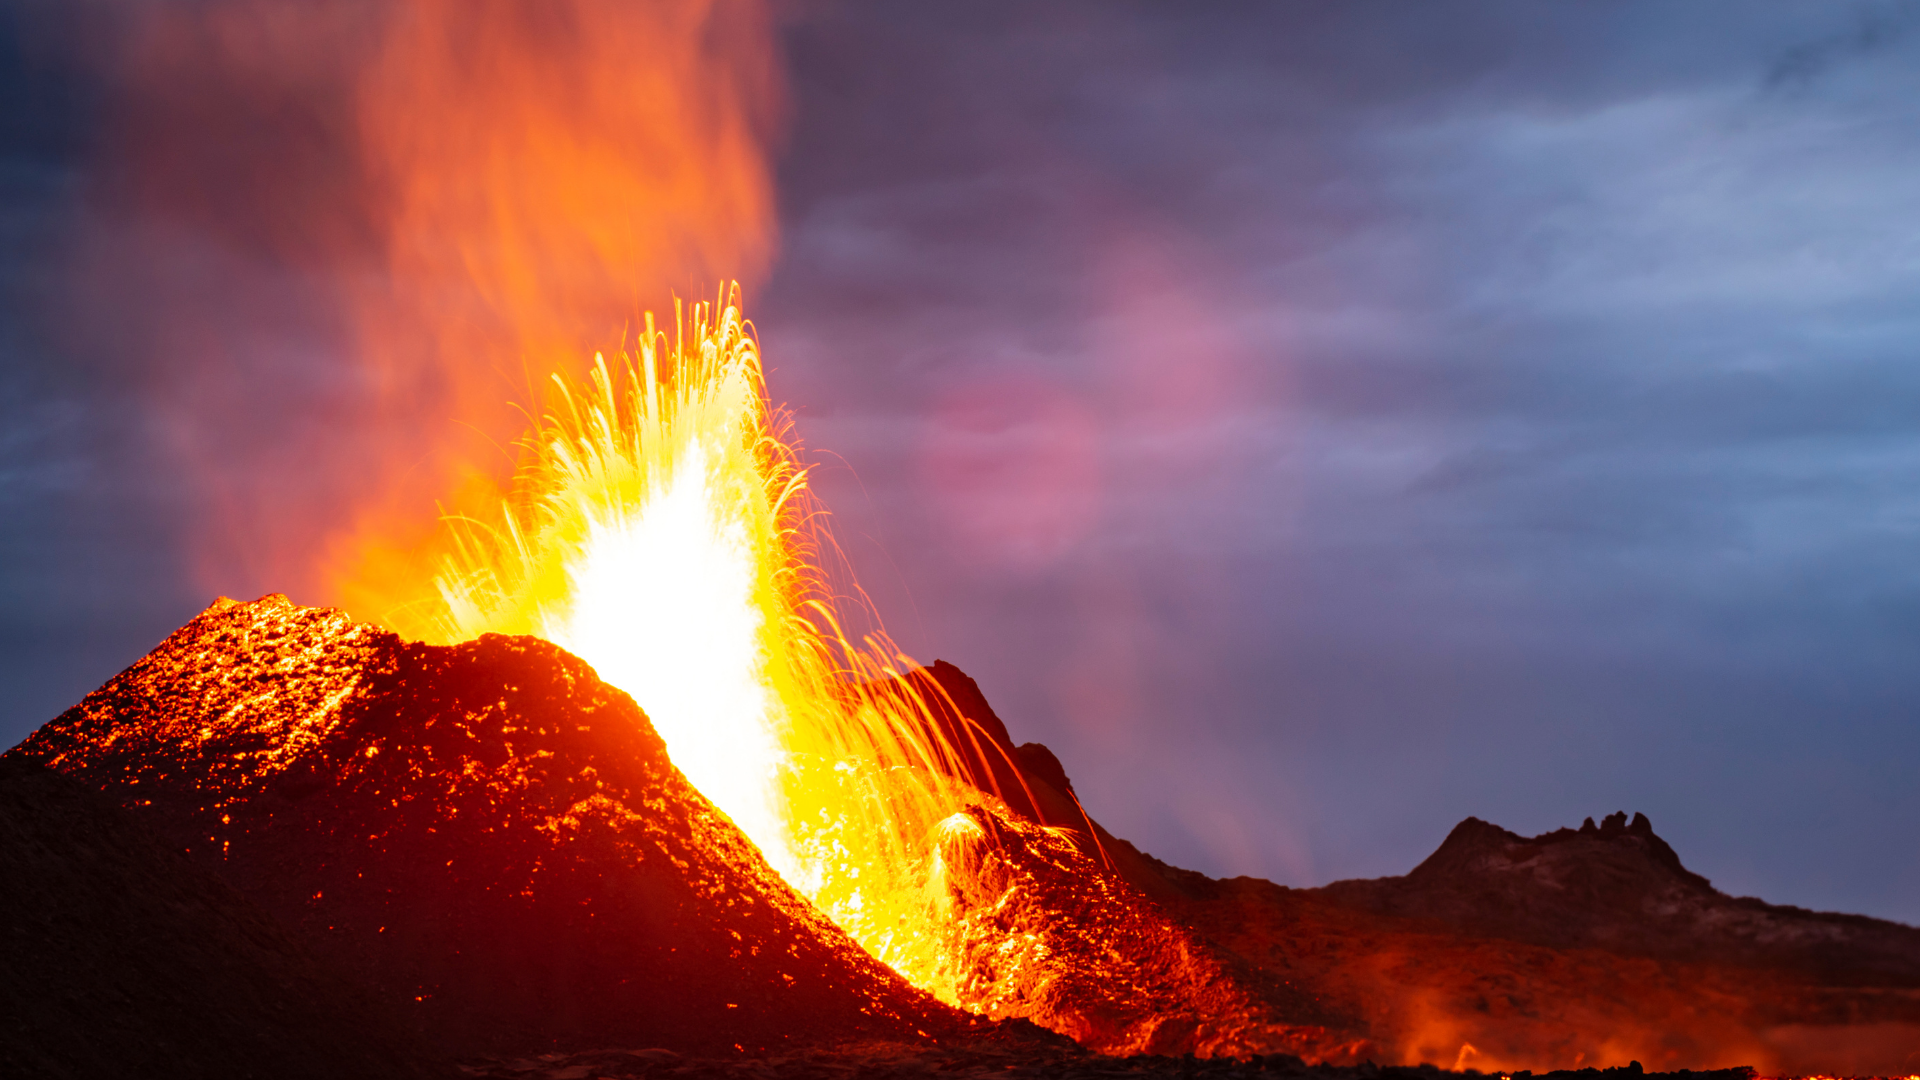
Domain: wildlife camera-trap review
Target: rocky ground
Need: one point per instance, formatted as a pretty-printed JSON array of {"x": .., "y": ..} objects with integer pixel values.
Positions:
[
  {"x": 123, "y": 958},
  {"x": 1580, "y": 947},
  {"x": 896, "y": 1062}
]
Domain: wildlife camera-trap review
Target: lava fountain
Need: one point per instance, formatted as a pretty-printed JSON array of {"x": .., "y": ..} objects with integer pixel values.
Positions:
[{"x": 661, "y": 528}]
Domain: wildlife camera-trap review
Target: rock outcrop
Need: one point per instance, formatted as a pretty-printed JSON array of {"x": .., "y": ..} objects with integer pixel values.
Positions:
[
  {"x": 1040, "y": 930},
  {"x": 1620, "y": 887},
  {"x": 1053, "y": 919}
]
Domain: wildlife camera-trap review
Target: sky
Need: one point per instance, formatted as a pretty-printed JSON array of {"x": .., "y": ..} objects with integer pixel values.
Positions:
[{"x": 1317, "y": 422}]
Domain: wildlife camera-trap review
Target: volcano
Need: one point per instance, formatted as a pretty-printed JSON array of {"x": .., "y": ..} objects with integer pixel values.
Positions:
[
  {"x": 497, "y": 844},
  {"x": 492, "y": 839},
  {"x": 483, "y": 849}
]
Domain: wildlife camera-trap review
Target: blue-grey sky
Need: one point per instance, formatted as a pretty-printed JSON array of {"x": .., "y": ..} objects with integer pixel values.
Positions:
[{"x": 1318, "y": 422}]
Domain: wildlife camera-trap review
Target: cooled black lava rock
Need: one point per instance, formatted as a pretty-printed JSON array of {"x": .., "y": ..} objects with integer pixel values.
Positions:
[{"x": 123, "y": 958}]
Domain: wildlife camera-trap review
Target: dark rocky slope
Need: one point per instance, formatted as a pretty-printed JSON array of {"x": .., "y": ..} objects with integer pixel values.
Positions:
[
  {"x": 123, "y": 958},
  {"x": 1578, "y": 948}
]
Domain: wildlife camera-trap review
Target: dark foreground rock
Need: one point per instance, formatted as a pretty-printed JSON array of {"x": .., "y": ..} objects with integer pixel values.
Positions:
[
  {"x": 893, "y": 1062},
  {"x": 486, "y": 835},
  {"x": 123, "y": 958}
]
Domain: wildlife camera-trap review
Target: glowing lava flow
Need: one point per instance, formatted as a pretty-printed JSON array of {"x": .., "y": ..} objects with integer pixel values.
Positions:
[{"x": 661, "y": 530}]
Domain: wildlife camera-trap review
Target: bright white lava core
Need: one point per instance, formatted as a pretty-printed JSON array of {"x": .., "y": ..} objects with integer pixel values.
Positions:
[{"x": 662, "y": 607}]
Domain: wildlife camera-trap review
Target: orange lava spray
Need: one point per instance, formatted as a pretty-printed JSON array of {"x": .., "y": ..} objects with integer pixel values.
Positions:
[{"x": 661, "y": 528}]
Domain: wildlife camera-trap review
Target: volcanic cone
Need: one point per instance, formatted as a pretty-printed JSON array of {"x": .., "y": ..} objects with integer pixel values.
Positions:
[{"x": 486, "y": 834}]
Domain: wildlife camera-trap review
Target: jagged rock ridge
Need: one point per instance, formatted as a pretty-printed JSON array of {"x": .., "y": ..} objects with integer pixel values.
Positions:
[
  {"x": 1580, "y": 947},
  {"x": 1620, "y": 887}
]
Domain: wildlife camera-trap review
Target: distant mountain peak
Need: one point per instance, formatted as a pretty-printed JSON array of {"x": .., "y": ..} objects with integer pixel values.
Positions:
[
  {"x": 1635, "y": 856},
  {"x": 1619, "y": 886}
]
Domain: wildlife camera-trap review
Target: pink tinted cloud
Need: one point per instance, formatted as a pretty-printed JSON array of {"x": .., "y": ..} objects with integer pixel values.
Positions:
[{"x": 1012, "y": 470}]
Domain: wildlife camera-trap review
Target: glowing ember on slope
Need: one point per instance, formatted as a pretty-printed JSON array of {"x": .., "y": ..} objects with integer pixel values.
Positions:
[{"x": 661, "y": 529}]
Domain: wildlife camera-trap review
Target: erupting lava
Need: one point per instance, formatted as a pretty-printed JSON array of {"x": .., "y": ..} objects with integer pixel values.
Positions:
[
  {"x": 503, "y": 851},
  {"x": 661, "y": 529}
]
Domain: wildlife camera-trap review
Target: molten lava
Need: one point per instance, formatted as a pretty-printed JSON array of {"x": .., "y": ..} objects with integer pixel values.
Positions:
[{"x": 661, "y": 529}]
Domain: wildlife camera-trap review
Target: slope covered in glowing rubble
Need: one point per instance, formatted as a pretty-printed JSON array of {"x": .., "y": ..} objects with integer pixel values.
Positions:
[{"x": 486, "y": 834}]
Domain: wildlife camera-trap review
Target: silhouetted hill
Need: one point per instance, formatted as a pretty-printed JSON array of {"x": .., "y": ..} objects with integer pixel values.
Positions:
[{"x": 1620, "y": 887}]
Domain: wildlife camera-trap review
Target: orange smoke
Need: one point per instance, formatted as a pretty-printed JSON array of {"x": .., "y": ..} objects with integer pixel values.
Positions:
[
  {"x": 483, "y": 192},
  {"x": 550, "y": 169}
]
